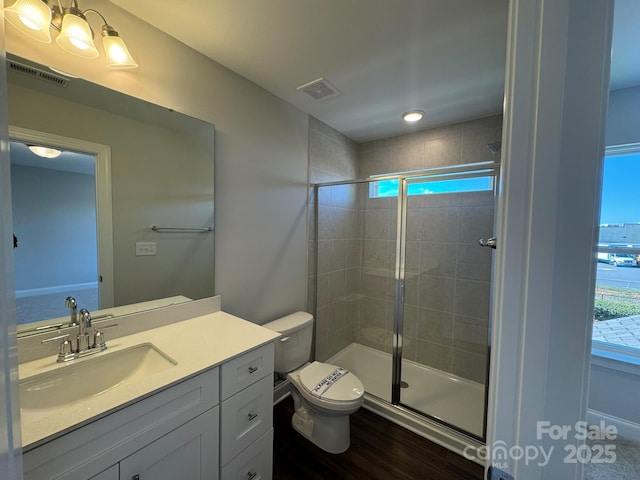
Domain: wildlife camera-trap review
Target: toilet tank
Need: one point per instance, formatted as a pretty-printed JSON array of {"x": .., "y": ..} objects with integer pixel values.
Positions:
[{"x": 293, "y": 348}]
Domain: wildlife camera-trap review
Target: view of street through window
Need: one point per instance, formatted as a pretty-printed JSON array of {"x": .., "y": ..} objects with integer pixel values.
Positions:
[{"x": 617, "y": 305}]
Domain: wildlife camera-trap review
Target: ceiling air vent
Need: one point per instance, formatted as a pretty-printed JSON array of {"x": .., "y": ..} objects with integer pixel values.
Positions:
[
  {"x": 319, "y": 89},
  {"x": 37, "y": 73}
]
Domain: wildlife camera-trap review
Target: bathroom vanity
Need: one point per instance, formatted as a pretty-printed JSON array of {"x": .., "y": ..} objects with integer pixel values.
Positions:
[{"x": 187, "y": 400}]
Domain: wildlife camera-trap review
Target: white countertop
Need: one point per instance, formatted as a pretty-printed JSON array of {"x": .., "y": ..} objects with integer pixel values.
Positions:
[{"x": 196, "y": 345}]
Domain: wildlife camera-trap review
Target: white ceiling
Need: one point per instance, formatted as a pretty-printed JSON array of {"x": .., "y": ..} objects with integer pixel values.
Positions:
[{"x": 446, "y": 57}]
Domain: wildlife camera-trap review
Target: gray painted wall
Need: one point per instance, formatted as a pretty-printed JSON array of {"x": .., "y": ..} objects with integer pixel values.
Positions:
[
  {"x": 158, "y": 177},
  {"x": 261, "y": 160},
  {"x": 54, "y": 218},
  {"x": 623, "y": 117}
]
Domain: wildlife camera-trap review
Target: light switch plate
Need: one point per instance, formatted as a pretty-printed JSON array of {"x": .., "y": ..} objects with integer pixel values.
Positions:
[{"x": 145, "y": 248}]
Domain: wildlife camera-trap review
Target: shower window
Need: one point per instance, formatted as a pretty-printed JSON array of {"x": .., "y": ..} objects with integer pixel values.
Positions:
[{"x": 389, "y": 188}]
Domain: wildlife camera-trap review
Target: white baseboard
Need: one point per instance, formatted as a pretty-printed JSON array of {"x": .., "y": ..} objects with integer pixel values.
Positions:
[
  {"x": 56, "y": 289},
  {"x": 627, "y": 429}
]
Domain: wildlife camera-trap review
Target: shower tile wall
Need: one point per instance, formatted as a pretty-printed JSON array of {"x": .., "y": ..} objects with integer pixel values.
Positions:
[
  {"x": 448, "y": 279},
  {"x": 455, "y": 144},
  {"x": 377, "y": 294},
  {"x": 446, "y": 310},
  {"x": 333, "y": 157},
  {"x": 448, "y": 274}
]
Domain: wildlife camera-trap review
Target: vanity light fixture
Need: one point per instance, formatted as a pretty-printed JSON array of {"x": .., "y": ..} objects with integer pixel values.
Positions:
[
  {"x": 35, "y": 18},
  {"x": 45, "y": 152},
  {"x": 413, "y": 116}
]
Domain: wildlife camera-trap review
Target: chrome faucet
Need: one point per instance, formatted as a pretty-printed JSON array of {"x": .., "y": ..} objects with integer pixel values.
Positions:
[
  {"x": 83, "y": 346},
  {"x": 71, "y": 304}
]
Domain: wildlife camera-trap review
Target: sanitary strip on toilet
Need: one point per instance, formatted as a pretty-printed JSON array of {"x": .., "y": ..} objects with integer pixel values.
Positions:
[{"x": 326, "y": 383}]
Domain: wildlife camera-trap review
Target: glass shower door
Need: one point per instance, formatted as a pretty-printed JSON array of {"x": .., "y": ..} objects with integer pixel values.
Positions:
[
  {"x": 356, "y": 262},
  {"x": 444, "y": 320}
]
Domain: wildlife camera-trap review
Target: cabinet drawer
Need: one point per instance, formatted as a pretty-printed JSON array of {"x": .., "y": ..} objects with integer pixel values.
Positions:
[
  {"x": 241, "y": 372},
  {"x": 254, "y": 463},
  {"x": 245, "y": 417}
]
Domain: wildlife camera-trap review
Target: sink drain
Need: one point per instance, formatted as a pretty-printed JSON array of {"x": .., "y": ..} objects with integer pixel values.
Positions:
[{"x": 404, "y": 385}]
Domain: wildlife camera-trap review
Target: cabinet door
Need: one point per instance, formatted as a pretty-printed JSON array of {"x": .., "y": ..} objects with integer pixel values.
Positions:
[
  {"x": 246, "y": 417},
  {"x": 190, "y": 452},
  {"x": 111, "y": 473}
]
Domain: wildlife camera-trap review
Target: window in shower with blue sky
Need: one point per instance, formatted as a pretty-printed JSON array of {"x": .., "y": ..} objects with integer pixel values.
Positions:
[{"x": 389, "y": 188}]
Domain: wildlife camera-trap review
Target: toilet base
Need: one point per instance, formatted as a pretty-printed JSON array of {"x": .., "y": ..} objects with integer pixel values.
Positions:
[{"x": 331, "y": 433}]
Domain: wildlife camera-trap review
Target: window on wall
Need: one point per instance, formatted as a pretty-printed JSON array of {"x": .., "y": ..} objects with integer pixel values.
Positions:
[
  {"x": 389, "y": 188},
  {"x": 616, "y": 327}
]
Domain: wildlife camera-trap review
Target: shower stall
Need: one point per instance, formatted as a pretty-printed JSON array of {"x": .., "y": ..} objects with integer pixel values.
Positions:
[{"x": 402, "y": 293}]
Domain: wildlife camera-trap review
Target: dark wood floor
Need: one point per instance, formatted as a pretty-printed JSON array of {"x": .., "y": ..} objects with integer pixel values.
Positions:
[{"x": 380, "y": 450}]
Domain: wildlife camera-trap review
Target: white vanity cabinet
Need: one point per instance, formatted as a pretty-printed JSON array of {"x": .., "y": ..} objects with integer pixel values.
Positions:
[
  {"x": 217, "y": 424},
  {"x": 185, "y": 453},
  {"x": 246, "y": 416},
  {"x": 111, "y": 473},
  {"x": 146, "y": 425}
]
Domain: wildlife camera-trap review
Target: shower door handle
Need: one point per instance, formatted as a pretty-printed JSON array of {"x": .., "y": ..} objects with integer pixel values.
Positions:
[{"x": 490, "y": 242}]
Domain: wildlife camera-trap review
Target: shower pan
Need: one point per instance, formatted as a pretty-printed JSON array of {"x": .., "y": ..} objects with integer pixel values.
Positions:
[{"x": 403, "y": 290}]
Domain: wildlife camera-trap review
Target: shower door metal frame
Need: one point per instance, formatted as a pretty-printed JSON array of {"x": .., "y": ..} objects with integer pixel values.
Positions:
[
  {"x": 437, "y": 174},
  {"x": 474, "y": 170}
]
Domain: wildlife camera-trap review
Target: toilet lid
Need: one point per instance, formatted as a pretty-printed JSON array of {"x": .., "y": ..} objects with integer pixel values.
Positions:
[{"x": 348, "y": 387}]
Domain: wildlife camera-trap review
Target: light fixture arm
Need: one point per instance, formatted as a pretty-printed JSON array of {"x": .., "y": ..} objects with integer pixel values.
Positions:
[{"x": 91, "y": 10}]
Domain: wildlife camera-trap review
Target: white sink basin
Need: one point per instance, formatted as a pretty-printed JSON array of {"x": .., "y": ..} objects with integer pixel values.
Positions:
[{"x": 91, "y": 376}]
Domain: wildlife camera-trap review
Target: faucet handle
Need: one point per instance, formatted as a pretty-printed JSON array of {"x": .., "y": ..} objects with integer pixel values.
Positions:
[
  {"x": 98, "y": 340},
  {"x": 98, "y": 337},
  {"x": 66, "y": 348}
]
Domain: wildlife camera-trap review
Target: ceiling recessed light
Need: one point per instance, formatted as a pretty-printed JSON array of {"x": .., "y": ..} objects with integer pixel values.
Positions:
[
  {"x": 45, "y": 152},
  {"x": 412, "y": 116}
]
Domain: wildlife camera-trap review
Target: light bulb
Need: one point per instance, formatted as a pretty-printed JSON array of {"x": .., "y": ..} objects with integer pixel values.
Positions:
[
  {"x": 116, "y": 50},
  {"x": 412, "y": 116},
  {"x": 45, "y": 152},
  {"x": 31, "y": 17},
  {"x": 75, "y": 35}
]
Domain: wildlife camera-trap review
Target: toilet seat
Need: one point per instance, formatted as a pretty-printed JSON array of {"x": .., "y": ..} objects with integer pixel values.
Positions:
[{"x": 347, "y": 388}]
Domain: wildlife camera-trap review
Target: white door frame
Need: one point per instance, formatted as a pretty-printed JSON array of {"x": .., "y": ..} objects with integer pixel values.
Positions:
[
  {"x": 104, "y": 219},
  {"x": 556, "y": 95}
]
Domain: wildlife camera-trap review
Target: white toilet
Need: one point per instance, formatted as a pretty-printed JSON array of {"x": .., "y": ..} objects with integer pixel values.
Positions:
[{"x": 324, "y": 395}]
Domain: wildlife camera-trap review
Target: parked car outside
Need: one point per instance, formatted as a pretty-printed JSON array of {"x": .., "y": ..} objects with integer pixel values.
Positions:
[{"x": 623, "y": 260}]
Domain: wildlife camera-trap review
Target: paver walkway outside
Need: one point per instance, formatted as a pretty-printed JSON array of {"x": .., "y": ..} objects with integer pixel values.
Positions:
[{"x": 620, "y": 331}]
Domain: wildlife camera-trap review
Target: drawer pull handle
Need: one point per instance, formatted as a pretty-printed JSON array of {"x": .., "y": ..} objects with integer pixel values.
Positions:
[
  {"x": 253, "y": 369},
  {"x": 252, "y": 416},
  {"x": 251, "y": 475},
  {"x": 135, "y": 477}
]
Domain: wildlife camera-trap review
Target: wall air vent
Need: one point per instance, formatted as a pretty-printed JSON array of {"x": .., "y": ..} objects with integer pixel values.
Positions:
[
  {"x": 37, "y": 73},
  {"x": 319, "y": 89}
]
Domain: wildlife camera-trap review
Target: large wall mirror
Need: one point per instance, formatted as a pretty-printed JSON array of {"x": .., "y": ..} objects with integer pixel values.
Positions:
[{"x": 84, "y": 220}]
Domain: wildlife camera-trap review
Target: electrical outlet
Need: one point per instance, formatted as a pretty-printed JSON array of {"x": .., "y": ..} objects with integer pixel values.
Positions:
[
  {"x": 145, "y": 248},
  {"x": 497, "y": 474}
]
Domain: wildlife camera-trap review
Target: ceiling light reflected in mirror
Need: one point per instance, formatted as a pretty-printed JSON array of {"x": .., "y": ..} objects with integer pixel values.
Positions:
[{"x": 45, "y": 152}]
